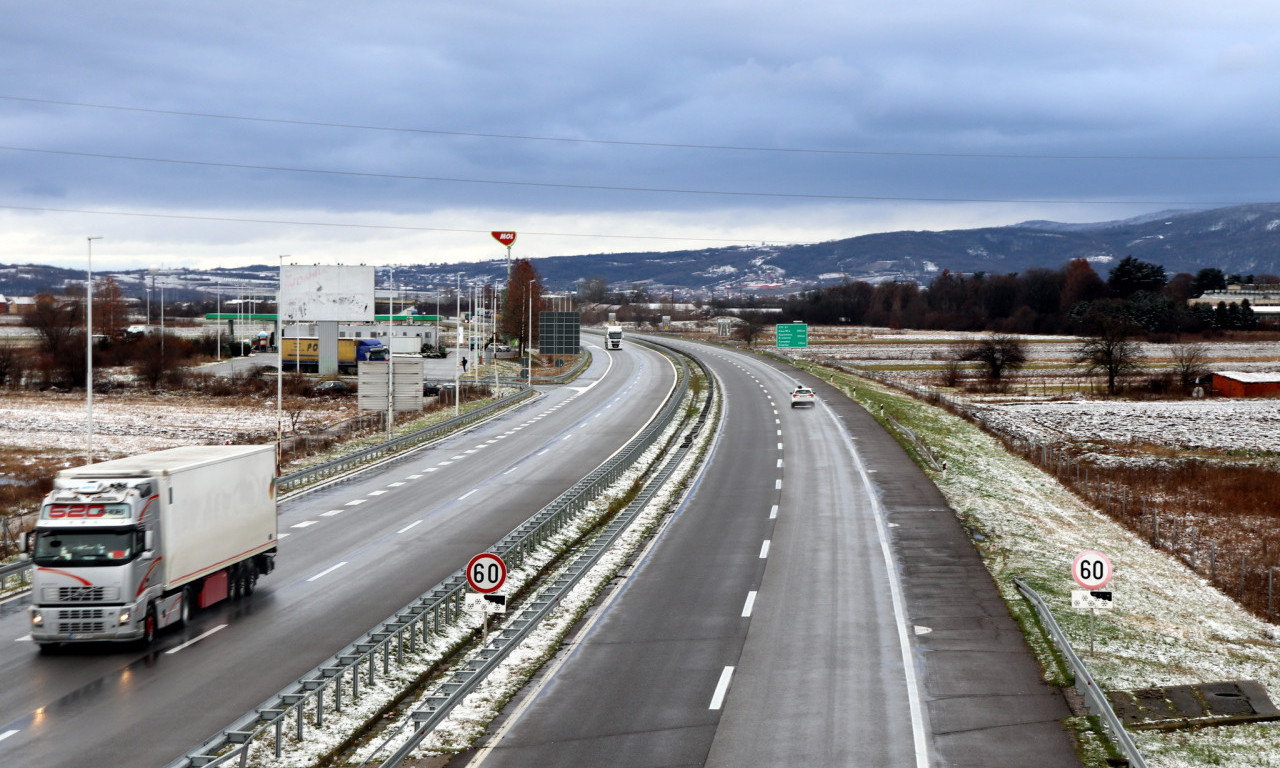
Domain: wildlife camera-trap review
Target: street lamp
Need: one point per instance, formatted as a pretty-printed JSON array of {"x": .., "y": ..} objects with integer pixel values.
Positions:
[{"x": 88, "y": 347}]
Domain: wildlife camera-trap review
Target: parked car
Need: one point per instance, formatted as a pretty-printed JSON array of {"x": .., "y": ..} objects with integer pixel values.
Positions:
[
  {"x": 331, "y": 388},
  {"x": 803, "y": 396}
]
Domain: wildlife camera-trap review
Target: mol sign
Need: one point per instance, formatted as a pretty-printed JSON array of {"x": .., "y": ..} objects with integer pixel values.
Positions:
[{"x": 506, "y": 238}]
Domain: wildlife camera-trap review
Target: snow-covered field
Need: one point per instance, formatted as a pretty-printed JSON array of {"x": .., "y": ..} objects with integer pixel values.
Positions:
[
  {"x": 1220, "y": 424},
  {"x": 126, "y": 424}
]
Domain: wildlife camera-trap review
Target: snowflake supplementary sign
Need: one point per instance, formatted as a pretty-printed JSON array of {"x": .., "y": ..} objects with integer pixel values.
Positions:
[{"x": 315, "y": 293}]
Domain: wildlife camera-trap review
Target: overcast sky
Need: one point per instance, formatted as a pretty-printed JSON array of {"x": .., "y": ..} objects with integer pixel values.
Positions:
[{"x": 229, "y": 133}]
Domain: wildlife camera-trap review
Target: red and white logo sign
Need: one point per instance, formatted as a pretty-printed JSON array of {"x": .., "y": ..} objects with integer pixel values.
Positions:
[
  {"x": 486, "y": 573},
  {"x": 1091, "y": 569},
  {"x": 506, "y": 238}
]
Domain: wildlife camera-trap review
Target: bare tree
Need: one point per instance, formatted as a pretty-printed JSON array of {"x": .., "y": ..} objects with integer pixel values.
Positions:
[
  {"x": 1110, "y": 348},
  {"x": 997, "y": 354},
  {"x": 1190, "y": 362},
  {"x": 751, "y": 327}
]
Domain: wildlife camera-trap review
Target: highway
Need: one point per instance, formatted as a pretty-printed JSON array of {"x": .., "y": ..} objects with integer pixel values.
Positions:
[
  {"x": 813, "y": 603},
  {"x": 351, "y": 554}
]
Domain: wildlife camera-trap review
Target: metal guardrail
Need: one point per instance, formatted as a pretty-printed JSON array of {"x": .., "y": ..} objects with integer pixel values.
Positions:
[
  {"x": 304, "y": 700},
  {"x": 1094, "y": 697},
  {"x": 458, "y": 685},
  {"x": 343, "y": 464},
  {"x": 10, "y": 573}
]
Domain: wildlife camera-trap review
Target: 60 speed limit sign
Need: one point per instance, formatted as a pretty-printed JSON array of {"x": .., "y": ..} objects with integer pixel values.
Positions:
[
  {"x": 486, "y": 573},
  {"x": 1091, "y": 569}
]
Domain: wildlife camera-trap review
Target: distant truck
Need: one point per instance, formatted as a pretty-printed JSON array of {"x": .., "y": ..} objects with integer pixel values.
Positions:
[
  {"x": 127, "y": 547},
  {"x": 613, "y": 337},
  {"x": 304, "y": 354}
]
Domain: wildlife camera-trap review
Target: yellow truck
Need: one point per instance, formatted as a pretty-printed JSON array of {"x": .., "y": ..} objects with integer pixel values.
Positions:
[{"x": 304, "y": 354}]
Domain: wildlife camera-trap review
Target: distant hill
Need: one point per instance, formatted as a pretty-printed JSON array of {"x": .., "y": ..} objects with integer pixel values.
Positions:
[{"x": 1240, "y": 239}]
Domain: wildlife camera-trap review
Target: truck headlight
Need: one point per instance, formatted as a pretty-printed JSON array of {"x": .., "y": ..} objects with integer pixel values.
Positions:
[
  {"x": 37, "y": 618},
  {"x": 124, "y": 617}
]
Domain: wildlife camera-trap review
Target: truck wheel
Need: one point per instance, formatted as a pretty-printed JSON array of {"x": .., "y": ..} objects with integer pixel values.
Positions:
[
  {"x": 250, "y": 578},
  {"x": 184, "y": 607}
]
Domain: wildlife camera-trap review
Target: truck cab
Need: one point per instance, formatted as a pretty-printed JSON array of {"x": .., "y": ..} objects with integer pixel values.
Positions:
[
  {"x": 91, "y": 549},
  {"x": 613, "y": 337}
]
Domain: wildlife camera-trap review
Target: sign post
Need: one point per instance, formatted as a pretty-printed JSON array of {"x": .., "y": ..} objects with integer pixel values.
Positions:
[
  {"x": 1092, "y": 571},
  {"x": 486, "y": 573}
]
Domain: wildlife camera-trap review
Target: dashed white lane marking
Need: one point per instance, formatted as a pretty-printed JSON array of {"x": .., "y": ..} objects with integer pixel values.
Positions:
[
  {"x": 779, "y": 463},
  {"x": 195, "y": 640},
  {"x": 751, "y": 603},
  {"x": 23, "y": 639},
  {"x": 722, "y": 688},
  {"x": 468, "y": 493},
  {"x": 354, "y": 502},
  {"x": 395, "y": 485},
  {"x": 773, "y": 513},
  {"x": 376, "y": 493},
  {"x": 764, "y": 549},
  {"x": 304, "y": 524},
  {"x": 327, "y": 571},
  {"x": 777, "y": 486},
  {"x": 415, "y": 477},
  {"x": 779, "y": 446},
  {"x": 331, "y": 513},
  {"x": 543, "y": 451},
  {"x": 281, "y": 535},
  {"x": 444, "y": 463},
  {"x": 410, "y": 525},
  {"x": 6, "y": 735}
]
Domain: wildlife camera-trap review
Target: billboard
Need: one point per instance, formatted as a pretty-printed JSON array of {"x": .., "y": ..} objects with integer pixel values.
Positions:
[{"x": 311, "y": 293}]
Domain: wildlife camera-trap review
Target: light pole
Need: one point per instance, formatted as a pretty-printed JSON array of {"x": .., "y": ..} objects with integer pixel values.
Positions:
[{"x": 88, "y": 347}]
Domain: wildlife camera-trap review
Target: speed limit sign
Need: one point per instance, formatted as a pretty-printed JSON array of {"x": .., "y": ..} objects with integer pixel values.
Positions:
[
  {"x": 1091, "y": 569},
  {"x": 486, "y": 573}
]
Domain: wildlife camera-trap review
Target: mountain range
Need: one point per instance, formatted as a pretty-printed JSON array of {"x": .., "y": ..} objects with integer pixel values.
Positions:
[{"x": 1241, "y": 240}]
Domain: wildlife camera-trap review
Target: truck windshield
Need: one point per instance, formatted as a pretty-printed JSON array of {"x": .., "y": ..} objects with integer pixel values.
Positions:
[
  {"x": 615, "y": 334},
  {"x": 87, "y": 548}
]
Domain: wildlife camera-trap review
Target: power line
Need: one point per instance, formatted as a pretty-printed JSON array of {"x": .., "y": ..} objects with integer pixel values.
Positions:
[
  {"x": 392, "y": 227},
  {"x": 650, "y": 144},
  {"x": 608, "y": 188}
]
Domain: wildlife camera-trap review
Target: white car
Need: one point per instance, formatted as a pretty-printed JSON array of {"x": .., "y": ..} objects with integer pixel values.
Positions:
[{"x": 803, "y": 396}]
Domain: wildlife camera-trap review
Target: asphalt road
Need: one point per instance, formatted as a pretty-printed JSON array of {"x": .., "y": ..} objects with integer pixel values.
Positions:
[
  {"x": 355, "y": 552},
  {"x": 813, "y": 603}
]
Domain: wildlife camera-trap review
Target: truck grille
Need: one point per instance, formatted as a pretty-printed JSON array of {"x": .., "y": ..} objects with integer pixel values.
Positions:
[
  {"x": 81, "y": 594},
  {"x": 81, "y": 620}
]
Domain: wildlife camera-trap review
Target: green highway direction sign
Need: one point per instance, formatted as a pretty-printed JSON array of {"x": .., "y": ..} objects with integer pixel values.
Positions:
[{"x": 792, "y": 335}]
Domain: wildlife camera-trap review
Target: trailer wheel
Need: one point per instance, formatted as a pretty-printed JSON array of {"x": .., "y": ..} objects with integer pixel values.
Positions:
[
  {"x": 233, "y": 582},
  {"x": 250, "y": 578},
  {"x": 184, "y": 606}
]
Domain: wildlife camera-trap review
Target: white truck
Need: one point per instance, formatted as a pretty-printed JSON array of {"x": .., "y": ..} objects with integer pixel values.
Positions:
[
  {"x": 613, "y": 337},
  {"x": 126, "y": 547}
]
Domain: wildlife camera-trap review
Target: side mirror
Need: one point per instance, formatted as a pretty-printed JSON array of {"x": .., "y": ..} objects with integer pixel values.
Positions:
[
  {"x": 147, "y": 540},
  {"x": 24, "y": 542}
]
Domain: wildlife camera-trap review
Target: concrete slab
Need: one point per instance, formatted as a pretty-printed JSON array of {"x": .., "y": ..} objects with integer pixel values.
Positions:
[{"x": 1186, "y": 706}]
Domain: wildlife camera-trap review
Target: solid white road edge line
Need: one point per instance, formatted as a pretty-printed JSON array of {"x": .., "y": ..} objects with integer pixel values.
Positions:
[
  {"x": 327, "y": 571},
  {"x": 195, "y": 639},
  {"x": 899, "y": 606},
  {"x": 722, "y": 688}
]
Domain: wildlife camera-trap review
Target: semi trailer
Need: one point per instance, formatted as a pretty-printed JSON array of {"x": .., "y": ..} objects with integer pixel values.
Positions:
[{"x": 124, "y": 548}]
